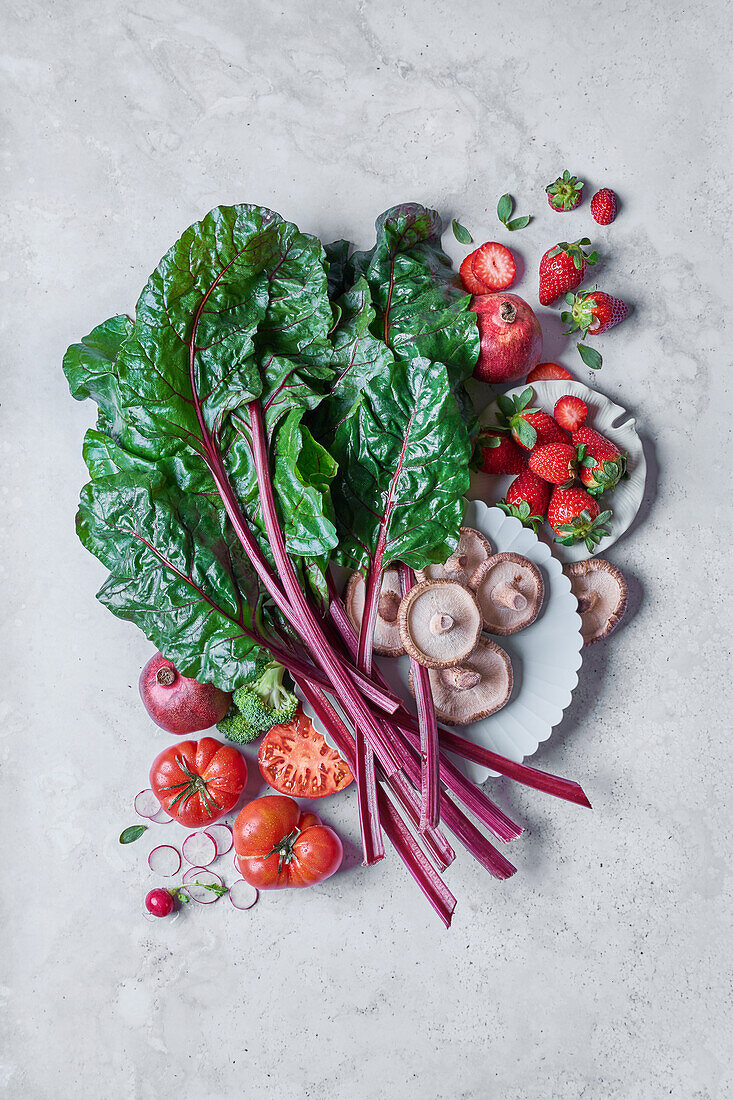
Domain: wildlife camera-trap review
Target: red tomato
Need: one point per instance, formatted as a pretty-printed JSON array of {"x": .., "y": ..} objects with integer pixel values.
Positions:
[
  {"x": 278, "y": 846},
  {"x": 197, "y": 782},
  {"x": 296, "y": 759}
]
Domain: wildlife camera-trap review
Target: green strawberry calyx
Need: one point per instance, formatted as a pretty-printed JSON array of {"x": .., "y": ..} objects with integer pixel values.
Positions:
[
  {"x": 512, "y": 413},
  {"x": 583, "y": 528},
  {"x": 608, "y": 474},
  {"x": 582, "y": 312},
  {"x": 576, "y": 252},
  {"x": 522, "y": 512},
  {"x": 565, "y": 192}
]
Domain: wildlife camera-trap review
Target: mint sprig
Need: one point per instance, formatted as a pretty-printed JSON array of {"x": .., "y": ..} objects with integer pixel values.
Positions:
[
  {"x": 504, "y": 213},
  {"x": 461, "y": 233}
]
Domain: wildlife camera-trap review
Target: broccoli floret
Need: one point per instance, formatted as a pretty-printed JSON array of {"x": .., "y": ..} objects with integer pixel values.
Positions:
[
  {"x": 236, "y": 729},
  {"x": 259, "y": 705}
]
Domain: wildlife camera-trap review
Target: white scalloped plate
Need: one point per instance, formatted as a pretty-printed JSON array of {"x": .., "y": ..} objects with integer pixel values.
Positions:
[
  {"x": 545, "y": 657},
  {"x": 606, "y": 417}
]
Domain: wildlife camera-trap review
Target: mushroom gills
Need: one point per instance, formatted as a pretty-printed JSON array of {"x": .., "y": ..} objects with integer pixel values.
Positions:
[
  {"x": 387, "y": 641},
  {"x": 510, "y": 591},
  {"x": 601, "y": 592},
  {"x": 475, "y": 689},
  {"x": 439, "y": 623},
  {"x": 473, "y": 549}
]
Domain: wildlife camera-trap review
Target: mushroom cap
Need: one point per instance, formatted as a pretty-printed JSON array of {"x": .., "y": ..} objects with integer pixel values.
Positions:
[
  {"x": 440, "y": 623},
  {"x": 386, "y": 630},
  {"x": 601, "y": 592},
  {"x": 458, "y": 707},
  {"x": 473, "y": 549},
  {"x": 510, "y": 591}
]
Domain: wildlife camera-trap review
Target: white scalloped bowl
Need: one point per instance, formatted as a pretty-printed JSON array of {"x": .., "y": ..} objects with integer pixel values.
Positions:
[
  {"x": 545, "y": 657},
  {"x": 612, "y": 421}
]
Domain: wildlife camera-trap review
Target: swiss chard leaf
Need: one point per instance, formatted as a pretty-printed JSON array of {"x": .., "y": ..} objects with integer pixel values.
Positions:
[
  {"x": 173, "y": 574},
  {"x": 423, "y": 312},
  {"x": 403, "y": 459}
]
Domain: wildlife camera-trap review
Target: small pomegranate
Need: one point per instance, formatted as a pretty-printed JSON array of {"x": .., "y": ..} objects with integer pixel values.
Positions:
[
  {"x": 178, "y": 704},
  {"x": 511, "y": 337}
]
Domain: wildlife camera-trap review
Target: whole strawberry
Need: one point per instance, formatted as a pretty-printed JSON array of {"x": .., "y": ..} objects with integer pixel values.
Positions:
[
  {"x": 527, "y": 498},
  {"x": 565, "y": 193},
  {"x": 554, "y": 462},
  {"x": 530, "y": 427},
  {"x": 593, "y": 312},
  {"x": 603, "y": 206},
  {"x": 575, "y": 517},
  {"x": 602, "y": 464},
  {"x": 562, "y": 268},
  {"x": 496, "y": 453}
]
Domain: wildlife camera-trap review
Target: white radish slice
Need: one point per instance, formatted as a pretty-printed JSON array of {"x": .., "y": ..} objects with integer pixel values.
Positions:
[
  {"x": 165, "y": 860},
  {"x": 161, "y": 818},
  {"x": 222, "y": 837},
  {"x": 146, "y": 803},
  {"x": 242, "y": 895},
  {"x": 199, "y": 849},
  {"x": 206, "y": 878}
]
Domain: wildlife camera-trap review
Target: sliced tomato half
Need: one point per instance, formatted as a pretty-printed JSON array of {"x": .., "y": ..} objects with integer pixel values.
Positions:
[{"x": 296, "y": 759}]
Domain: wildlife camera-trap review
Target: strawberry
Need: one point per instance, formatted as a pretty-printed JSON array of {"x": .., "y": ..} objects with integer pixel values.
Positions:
[
  {"x": 469, "y": 280},
  {"x": 527, "y": 498},
  {"x": 593, "y": 312},
  {"x": 555, "y": 462},
  {"x": 562, "y": 268},
  {"x": 574, "y": 515},
  {"x": 565, "y": 193},
  {"x": 530, "y": 427},
  {"x": 570, "y": 412},
  {"x": 603, "y": 206},
  {"x": 494, "y": 266},
  {"x": 497, "y": 453},
  {"x": 549, "y": 372},
  {"x": 602, "y": 465}
]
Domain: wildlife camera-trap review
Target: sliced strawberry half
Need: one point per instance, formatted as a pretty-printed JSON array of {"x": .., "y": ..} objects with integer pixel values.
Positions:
[
  {"x": 494, "y": 266},
  {"x": 469, "y": 280}
]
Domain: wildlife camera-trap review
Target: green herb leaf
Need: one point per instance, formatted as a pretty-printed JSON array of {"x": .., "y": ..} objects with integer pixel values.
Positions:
[
  {"x": 461, "y": 233},
  {"x": 132, "y": 833},
  {"x": 504, "y": 208},
  {"x": 518, "y": 223},
  {"x": 214, "y": 887},
  {"x": 590, "y": 357}
]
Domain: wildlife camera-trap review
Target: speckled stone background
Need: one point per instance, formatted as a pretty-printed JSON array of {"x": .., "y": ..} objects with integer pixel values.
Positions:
[{"x": 602, "y": 969}]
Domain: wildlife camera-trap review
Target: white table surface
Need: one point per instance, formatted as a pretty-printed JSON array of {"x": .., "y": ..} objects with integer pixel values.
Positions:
[{"x": 599, "y": 970}]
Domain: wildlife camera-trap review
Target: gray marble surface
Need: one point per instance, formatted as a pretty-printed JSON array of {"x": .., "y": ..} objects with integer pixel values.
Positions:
[{"x": 601, "y": 970}]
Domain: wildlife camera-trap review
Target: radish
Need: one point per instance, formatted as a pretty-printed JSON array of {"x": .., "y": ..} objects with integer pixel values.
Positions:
[
  {"x": 203, "y": 886},
  {"x": 146, "y": 804},
  {"x": 165, "y": 860},
  {"x": 159, "y": 902},
  {"x": 178, "y": 704},
  {"x": 242, "y": 895},
  {"x": 199, "y": 849},
  {"x": 222, "y": 837}
]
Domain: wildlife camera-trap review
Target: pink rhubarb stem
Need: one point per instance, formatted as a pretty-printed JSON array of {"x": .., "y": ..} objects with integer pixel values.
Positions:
[
  {"x": 567, "y": 789},
  {"x": 430, "y": 778},
  {"x": 417, "y": 863},
  {"x": 310, "y": 629}
]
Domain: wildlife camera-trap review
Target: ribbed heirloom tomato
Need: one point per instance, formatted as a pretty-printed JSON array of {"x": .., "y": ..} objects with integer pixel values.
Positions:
[
  {"x": 197, "y": 782},
  {"x": 278, "y": 846}
]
